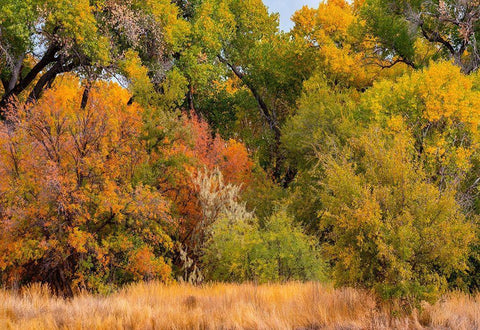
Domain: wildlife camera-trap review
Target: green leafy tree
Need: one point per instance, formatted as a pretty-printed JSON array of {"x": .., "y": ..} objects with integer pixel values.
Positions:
[
  {"x": 451, "y": 27},
  {"x": 40, "y": 39},
  {"x": 389, "y": 228},
  {"x": 324, "y": 121},
  {"x": 257, "y": 73}
]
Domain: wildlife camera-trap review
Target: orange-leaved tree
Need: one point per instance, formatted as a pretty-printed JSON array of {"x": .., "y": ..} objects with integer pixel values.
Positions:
[
  {"x": 70, "y": 215},
  {"x": 180, "y": 150}
]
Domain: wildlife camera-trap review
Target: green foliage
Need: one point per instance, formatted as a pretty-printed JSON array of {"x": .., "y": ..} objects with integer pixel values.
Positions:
[
  {"x": 242, "y": 250},
  {"x": 323, "y": 119},
  {"x": 450, "y": 28},
  {"x": 389, "y": 228},
  {"x": 262, "y": 196},
  {"x": 391, "y": 29}
]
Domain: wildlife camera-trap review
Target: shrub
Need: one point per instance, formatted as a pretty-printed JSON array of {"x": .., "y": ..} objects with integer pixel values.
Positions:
[
  {"x": 242, "y": 250},
  {"x": 70, "y": 215}
]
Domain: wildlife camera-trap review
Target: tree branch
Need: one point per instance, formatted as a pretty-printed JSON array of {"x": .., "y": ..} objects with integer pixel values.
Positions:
[
  {"x": 269, "y": 115},
  {"x": 48, "y": 58},
  {"x": 436, "y": 37},
  {"x": 48, "y": 78},
  {"x": 276, "y": 154}
]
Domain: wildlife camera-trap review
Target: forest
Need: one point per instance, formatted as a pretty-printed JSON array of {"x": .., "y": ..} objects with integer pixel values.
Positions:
[{"x": 195, "y": 142}]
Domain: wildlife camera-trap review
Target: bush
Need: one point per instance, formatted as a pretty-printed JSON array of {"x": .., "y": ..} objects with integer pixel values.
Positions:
[
  {"x": 70, "y": 215},
  {"x": 242, "y": 250}
]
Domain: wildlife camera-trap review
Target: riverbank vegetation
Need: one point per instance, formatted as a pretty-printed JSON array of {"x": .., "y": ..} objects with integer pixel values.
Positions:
[{"x": 194, "y": 141}]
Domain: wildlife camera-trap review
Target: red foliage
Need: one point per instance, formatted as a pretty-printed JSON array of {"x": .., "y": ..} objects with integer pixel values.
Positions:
[{"x": 200, "y": 150}]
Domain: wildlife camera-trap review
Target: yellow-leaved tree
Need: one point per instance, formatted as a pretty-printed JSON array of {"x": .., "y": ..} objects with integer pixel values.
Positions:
[
  {"x": 439, "y": 105},
  {"x": 388, "y": 227}
]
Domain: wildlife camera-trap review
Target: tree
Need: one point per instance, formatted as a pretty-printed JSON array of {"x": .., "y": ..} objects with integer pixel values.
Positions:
[
  {"x": 388, "y": 227},
  {"x": 439, "y": 106},
  {"x": 256, "y": 69},
  {"x": 71, "y": 215},
  {"x": 450, "y": 26},
  {"x": 323, "y": 122},
  {"x": 332, "y": 35},
  {"x": 40, "y": 39}
]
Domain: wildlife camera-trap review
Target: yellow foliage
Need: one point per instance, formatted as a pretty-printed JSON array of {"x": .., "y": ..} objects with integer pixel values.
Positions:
[
  {"x": 447, "y": 94},
  {"x": 342, "y": 55},
  {"x": 166, "y": 13},
  {"x": 389, "y": 227},
  {"x": 440, "y": 104}
]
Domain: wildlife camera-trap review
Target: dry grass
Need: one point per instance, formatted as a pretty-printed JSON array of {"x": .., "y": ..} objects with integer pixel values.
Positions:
[{"x": 222, "y": 306}]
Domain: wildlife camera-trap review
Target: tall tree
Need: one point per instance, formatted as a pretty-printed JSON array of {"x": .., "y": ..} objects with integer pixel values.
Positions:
[
  {"x": 40, "y": 39},
  {"x": 451, "y": 26},
  {"x": 238, "y": 43}
]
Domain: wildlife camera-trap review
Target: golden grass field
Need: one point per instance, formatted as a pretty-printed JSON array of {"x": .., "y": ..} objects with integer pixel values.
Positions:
[{"x": 228, "y": 306}]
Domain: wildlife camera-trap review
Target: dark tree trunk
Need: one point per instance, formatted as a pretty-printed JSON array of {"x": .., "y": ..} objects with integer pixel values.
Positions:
[
  {"x": 15, "y": 88},
  {"x": 277, "y": 157},
  {"x": 86, "y": 93}
]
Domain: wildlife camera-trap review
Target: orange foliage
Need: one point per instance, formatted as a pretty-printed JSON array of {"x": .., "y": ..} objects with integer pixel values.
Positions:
[
  {"x": 69, "y": 212},
  {"x": 200, "y": 150},
  {"x": 231, "y": 156}
]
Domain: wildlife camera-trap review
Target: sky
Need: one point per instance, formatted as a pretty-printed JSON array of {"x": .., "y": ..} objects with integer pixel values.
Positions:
[{"x": 286, "y": 8}]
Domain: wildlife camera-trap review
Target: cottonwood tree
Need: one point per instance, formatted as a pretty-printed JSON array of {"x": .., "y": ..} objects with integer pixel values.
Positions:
[
  {"x": 40, "y": 39},
  {"x": 388, "y": 227},
  {"x": 451, "y": 26},
  {"x": 256, "y": 70}
]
